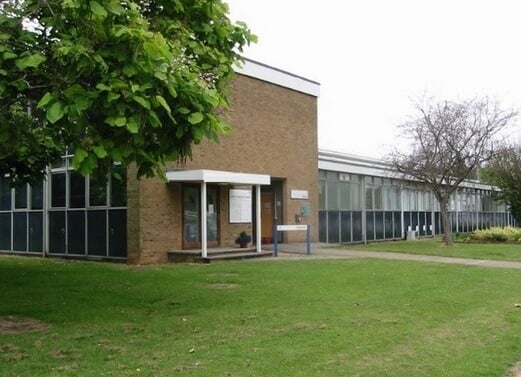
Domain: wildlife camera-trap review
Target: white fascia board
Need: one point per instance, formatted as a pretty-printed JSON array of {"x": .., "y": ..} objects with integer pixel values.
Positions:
[
  {"x": 279, "y": 77},
  {"x": 356, "y": 169},
  {"x": 344, "y": 163},
  {"x": 217, "y": 176}
]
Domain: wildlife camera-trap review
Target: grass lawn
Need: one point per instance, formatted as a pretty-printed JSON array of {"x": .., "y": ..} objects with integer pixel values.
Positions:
[
  {"x": 430, "y": 246},
  {"x": 263, "y": 318}
]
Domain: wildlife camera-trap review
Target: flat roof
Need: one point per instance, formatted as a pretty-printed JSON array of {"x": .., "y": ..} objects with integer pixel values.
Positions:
[
  {"x": 279, "y": 77},
  {"x": 217, "y": 176}
]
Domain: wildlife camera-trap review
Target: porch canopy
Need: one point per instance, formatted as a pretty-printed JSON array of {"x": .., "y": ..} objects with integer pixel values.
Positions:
[{"x": 204, "y": 176}]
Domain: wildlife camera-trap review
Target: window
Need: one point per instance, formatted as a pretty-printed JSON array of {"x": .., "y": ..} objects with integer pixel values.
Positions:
[
  {"x": 369, "y": 198},
  {"x": 5, "y": 195},
  {"x": 332, "y": 195},
  {"x": 20, "y": 197},
  {"x": 58, "y": 190},
  {"x": 322, "y": 195},
  {"x": 97, "y": 191},
  {"x": 76, "y": 190},
  {"x": 37, "y": 196},
  {"x": 344, "y": 195},
  {"x": 378, "y": 198}
]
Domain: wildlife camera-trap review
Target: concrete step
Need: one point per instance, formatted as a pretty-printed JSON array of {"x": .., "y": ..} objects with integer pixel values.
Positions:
[
  {"x": 194, "y": 256},
  {"x": 234, "y": 255}
]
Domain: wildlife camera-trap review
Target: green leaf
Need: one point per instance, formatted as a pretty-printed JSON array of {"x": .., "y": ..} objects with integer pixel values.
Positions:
[
  {"x": 100, "y": 151},
  {"x": 102, "y": 87},
  {"x": 172, "y": 91},
  {"x": 115, "y": 8},
  {"x": 113, "y": 96},
  {"x": 55, "y": 112},
  {"x": 142, "y": 101},
  {"x": 98, "y": 9},
  {"x": 32, "y": 61},
  {"x": 163, "y": 103},
  {"x": 133, "y": 125},
  {"x": 79, "y": 155},
  {"x": 44, "y": 101},
  {"x": 117, "y": 121},
  {"x": 9, "y": 56},
  {"x": 154, "y": 119},
  {"x": 195, "y": 118}
]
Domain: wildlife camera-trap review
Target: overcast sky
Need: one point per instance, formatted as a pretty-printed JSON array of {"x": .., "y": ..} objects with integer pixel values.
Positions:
[{"x": 372, "y": 57}]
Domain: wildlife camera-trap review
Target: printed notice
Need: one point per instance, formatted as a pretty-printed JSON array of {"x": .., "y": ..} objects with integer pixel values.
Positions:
[{"x": 240, "y": 206}]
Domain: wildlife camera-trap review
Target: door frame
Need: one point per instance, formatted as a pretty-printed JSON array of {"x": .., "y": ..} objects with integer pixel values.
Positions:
[{"x": 198, "y": 244}]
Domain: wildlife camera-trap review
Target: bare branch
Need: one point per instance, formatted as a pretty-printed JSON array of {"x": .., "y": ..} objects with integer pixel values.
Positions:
[{"x": 451, "y": 140}]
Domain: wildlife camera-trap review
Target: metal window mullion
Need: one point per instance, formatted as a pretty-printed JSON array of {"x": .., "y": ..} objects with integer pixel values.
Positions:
[{"x": 107, "y": 233}]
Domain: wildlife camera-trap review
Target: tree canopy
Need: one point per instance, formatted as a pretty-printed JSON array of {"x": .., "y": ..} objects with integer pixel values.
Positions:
[
  {"x": 127, "y": 81},
  {"x": 448, "y": 141},
  {"x": 504, "y": 172}
]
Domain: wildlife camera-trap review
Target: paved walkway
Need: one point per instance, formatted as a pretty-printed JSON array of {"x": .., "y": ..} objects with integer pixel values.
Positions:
[{"x": 321, "y": 250}]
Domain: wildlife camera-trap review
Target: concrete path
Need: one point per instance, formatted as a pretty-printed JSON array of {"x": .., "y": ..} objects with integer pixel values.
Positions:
[{"x": 320, "y": 250}]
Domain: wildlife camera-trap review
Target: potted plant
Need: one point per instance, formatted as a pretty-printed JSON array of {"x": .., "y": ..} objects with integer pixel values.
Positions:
[{"x": 243, "y": 239}]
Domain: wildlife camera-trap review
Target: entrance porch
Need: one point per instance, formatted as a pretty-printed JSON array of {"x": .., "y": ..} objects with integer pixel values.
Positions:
[{"x": 200, "y": 209}]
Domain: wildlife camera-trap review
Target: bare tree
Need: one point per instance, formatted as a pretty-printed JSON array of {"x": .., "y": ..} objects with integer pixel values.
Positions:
[{"x": 448, "y": 141}]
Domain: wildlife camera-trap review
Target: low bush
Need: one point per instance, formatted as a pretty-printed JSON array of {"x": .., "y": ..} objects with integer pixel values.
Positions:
[{"x": 496, "y": 234}]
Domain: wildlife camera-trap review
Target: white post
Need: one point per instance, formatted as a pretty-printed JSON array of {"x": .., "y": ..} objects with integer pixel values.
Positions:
[
  {"x": 258, "y": 221},
  {"x": 204, "y": 240}
]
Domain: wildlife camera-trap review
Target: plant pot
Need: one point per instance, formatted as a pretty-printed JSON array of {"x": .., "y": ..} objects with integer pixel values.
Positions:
[{"x": 243, "y": 245}]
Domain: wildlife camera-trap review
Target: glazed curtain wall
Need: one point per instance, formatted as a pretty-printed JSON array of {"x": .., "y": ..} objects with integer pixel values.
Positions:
[
  {"x": 67, "y": 214},
  {"x": 355, "y": 208}
]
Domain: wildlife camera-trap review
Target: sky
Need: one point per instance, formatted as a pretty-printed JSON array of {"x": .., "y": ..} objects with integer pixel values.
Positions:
[{"x": 372, "y": 58}]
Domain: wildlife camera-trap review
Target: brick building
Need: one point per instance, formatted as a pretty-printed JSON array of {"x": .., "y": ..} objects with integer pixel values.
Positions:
[
  {"x": 268, "y": 164},
  {"x": 264, "y": 173}
]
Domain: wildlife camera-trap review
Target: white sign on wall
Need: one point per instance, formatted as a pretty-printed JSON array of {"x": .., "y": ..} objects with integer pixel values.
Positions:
[
  {"x": 240, "y": 206},
  {"x": 299, "y": 194}
]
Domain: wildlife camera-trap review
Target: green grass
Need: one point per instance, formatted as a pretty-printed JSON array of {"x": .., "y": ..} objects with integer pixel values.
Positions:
[
  {"x": 264, "y": 318},
  {"x": 430, "y": 246}
]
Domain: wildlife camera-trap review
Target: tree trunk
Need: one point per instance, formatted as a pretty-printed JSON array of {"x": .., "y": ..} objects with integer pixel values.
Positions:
[{"x": 445, "y": 220}]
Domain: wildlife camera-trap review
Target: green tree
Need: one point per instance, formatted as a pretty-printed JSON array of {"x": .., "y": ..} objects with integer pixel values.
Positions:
[
  {"x": 504, "y": 172},
  {"x": 127, "y": 81}
]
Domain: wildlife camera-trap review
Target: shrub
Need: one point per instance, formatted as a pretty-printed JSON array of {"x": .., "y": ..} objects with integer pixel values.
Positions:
[{"x": 496, "y": 234}]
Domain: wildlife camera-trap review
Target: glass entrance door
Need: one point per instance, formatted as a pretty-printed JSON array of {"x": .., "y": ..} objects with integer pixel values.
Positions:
[{"x": 192, "y": 216}]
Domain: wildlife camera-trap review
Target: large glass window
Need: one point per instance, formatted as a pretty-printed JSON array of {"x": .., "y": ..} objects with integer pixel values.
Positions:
[
  {"x": 58, "y": 190},
  {"x": 5, "y": 231},
  {"x": 36, "y": 232},
  {"x": 97, "y": 191},
  {"x": 65, "y": 199},
  {"x": 118, "y": 188},
  {"x": 20, "y": 197},
  {"x": 332, "y": 195},
  {"x": 378, "y": 198},
  {"x": 356, "y": 202},
  {"x": 76, "y": 232},
  {"x": 76, "y": 190},
  {"x": 97, "y": 232},
  {"x": 20, "y": 231},
  {"x": 344, "y": 195},
  {"x": 37, "y": 196},
  {"x": 322, "y": 195},
  {"x": 57, "y": 232},
  {"x": 5, "y": 195},
  {"x": 369, "y": 198},
  {"x": 117, "y": 232}
]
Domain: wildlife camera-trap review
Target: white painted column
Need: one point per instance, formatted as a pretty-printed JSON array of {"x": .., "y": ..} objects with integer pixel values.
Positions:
[
  {"x": 204, "y": 230},
  {"x": 258, "y": 215}
]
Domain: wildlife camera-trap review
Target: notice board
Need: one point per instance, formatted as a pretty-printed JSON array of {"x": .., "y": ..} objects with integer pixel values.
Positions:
[{"x": 240, "y": 206}]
